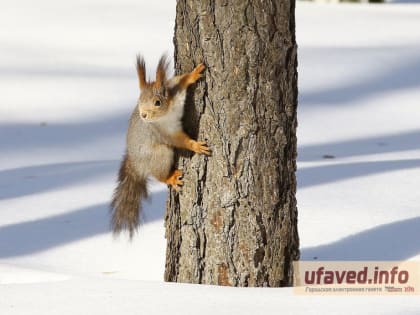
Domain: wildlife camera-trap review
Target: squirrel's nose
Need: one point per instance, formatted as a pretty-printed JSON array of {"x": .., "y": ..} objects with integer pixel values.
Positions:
[{"x": 144, "y": 115}]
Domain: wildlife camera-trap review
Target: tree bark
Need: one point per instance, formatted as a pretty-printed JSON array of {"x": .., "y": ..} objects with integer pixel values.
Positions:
[{"x": 235, "y": 221}]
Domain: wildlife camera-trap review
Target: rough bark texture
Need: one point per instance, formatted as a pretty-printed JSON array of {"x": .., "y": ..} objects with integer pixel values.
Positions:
[{"x": 235, "y": 221}]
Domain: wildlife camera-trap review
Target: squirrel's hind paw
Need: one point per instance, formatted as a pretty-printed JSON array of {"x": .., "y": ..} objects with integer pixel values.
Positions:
[{"x": 175, "y": 180}]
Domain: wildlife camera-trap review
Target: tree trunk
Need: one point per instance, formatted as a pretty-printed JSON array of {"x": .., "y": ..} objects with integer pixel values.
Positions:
[{"x": 235, "y": 221}]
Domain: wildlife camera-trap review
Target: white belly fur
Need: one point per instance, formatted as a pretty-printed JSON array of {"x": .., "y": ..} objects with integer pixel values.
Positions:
[{"x": 171, "y": 122}]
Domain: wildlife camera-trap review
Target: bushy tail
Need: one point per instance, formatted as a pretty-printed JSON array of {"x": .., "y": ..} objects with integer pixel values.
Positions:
[{"x": 126, "y": 202}]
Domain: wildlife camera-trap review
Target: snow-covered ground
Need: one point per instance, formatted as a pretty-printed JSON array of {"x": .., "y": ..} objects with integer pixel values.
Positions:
[{"x": 67, "y": 87}]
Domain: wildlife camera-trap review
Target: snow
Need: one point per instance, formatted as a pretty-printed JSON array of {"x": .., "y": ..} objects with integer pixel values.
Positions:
[{"x": 68, "y": 86}]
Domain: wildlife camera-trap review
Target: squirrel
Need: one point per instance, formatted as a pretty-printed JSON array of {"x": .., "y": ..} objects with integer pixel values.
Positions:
[{"x": 155, "y": 129}]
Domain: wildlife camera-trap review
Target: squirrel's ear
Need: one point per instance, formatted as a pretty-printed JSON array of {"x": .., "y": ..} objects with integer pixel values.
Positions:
[
  {"x": 141, "y": 71},
  {"x": 162, "y": 68}
]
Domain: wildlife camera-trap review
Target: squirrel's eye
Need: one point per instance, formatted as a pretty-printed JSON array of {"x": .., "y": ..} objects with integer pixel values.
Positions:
[{"x": 157, "y": 103}]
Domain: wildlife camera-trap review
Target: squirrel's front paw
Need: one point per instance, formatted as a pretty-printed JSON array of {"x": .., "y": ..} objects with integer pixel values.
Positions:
[
  {"x": 196, "y": 74},
  {"x": 200, "y": 147},
  {"x": 199, "y": 69}
]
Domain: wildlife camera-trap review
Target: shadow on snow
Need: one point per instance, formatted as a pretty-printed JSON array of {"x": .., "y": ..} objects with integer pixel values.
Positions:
[
  {"x": 42, "y": 234},
  {"x": 394, "y": 241}
]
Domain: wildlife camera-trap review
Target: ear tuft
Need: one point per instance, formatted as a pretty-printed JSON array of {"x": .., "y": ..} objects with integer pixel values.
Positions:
[
  {"x": 141, "y": 71},
  {"x": 161, "y": 71}
]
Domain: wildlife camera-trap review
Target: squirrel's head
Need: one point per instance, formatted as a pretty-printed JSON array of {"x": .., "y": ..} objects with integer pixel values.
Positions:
[{"x": 154, "y": 100}]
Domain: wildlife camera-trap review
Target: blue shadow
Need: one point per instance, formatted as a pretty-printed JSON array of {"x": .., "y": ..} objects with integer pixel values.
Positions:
[{"x": 394, "y": 241}]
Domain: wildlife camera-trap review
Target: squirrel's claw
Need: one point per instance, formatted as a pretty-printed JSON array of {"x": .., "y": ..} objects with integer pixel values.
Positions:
[{"x": 176, "y": 188}]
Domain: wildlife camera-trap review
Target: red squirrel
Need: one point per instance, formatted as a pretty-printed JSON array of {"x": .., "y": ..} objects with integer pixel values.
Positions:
[{"x": 155, "y": 129}]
